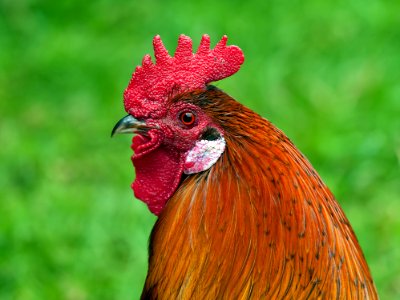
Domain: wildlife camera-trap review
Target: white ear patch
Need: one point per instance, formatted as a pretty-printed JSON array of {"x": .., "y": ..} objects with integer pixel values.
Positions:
[{"x": 203, "y": 155}]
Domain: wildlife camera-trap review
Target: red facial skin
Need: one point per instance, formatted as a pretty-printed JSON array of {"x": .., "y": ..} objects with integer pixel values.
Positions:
[{"x": 159, "y": 157}]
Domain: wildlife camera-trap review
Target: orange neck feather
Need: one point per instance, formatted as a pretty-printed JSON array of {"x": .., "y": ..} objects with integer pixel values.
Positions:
[{"x": 259, "y": 224}]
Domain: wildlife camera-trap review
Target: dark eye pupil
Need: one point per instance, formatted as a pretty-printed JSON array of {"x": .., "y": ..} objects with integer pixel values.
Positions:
[{"x": 187, "y": 118}]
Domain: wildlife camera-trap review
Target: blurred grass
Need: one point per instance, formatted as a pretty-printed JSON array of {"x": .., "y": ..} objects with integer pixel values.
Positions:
[{"x": 326, "y": 73}]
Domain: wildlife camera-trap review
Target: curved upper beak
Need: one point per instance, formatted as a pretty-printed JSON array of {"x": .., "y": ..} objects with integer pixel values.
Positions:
[{"x": 129, "y": 124}]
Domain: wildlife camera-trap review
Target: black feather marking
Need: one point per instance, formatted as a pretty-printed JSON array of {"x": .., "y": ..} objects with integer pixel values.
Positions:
[{"x": 210, "y": 134}]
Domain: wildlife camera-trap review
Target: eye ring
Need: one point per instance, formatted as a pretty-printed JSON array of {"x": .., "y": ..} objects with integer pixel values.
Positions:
[{"x": 187, "y": 118}]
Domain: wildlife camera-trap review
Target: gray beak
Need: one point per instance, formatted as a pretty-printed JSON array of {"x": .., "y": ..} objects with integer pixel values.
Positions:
[{"x": 129, "y": 124}]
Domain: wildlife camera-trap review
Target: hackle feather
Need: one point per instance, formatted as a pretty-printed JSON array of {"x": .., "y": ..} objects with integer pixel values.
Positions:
[{"x": 260, "y": 224}]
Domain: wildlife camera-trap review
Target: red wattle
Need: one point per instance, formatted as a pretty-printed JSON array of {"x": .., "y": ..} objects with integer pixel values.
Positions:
[{"x": 157, "y": 177}]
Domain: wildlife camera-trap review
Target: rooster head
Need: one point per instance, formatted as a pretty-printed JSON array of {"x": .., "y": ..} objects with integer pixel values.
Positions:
[{"x": 173, "y": 136}]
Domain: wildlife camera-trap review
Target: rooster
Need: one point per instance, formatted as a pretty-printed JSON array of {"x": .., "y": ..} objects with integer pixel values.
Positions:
[{"x": 241, "y": 212}]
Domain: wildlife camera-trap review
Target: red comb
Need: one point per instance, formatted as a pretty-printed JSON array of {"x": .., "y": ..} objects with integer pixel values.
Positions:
[{"x": 152, "y": 84}]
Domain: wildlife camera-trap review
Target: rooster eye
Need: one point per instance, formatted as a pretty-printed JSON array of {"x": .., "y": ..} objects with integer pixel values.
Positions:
[{"x": 187, "y": 118}]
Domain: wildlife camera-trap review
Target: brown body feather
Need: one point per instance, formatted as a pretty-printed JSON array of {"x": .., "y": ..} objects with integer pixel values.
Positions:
[{"x": 259, "y": 224}]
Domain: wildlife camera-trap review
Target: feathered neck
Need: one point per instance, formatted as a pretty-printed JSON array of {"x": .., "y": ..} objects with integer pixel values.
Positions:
[{"x": 259, "y": 223}]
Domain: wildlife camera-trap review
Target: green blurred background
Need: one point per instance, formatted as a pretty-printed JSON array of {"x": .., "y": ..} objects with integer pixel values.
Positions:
[{"x": 325, "y": 73}]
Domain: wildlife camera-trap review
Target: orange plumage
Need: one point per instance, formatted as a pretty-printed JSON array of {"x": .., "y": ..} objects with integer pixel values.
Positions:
[
  {"x": 260, "y": 224},
  {"x": 242, "y": 213}
]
